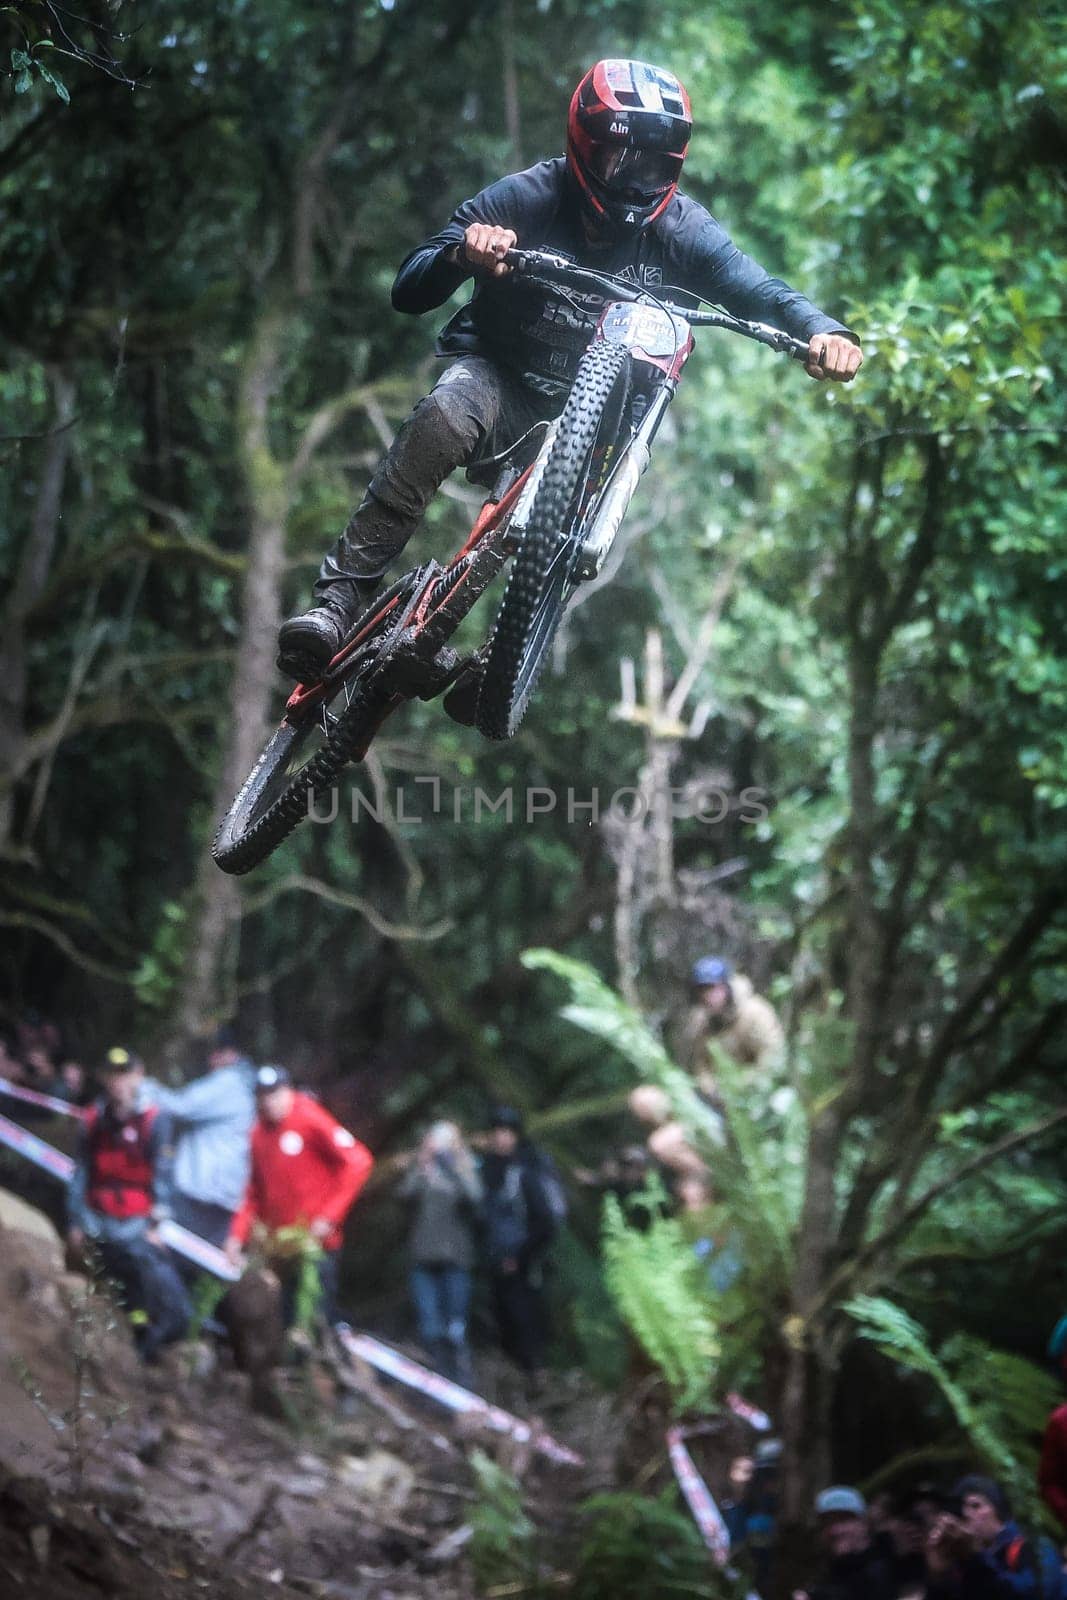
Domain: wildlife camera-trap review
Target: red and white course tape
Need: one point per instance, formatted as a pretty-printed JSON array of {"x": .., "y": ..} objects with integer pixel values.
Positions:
[
  {"x": 749, "y": 1413},
  {"x": 34, "y": 1097},
  {"x": 49, "y": 1159},
  {"x": 463, "y": 1401},
  {"x": 698, "y": 1498}
]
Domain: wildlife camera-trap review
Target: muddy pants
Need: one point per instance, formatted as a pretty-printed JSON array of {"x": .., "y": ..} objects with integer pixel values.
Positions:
[{"x": 475, "y": 410}]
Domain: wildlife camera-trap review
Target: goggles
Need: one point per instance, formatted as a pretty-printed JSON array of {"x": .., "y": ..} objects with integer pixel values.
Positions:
[{"x": 622, "y": 167}]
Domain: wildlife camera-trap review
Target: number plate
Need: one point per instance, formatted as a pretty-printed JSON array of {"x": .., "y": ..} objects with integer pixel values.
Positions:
[{"x": 644, "y": 328}]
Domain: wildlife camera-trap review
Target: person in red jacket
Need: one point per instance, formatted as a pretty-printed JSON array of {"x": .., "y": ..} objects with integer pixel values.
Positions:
[
  {"x": 1052, "y": 1468},
  {"x": 307, "y": 1171}
]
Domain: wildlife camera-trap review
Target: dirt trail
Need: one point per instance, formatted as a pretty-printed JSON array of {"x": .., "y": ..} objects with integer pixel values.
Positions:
[{"x": 164, "y": 1483}]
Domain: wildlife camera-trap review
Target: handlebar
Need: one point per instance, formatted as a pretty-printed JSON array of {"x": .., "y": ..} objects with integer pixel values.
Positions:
[{"x": 553, "y": 268}]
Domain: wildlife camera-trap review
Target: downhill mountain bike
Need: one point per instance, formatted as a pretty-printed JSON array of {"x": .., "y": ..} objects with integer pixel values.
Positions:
[{"x": 555, "y": 509}]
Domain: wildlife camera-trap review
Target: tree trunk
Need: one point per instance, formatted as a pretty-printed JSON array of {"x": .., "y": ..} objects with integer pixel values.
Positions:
[
  {"x": 807, "y": 1462},
  {"x": 512, "y": 114},
  {"x": 33, "y": 569},
  {"x": 214, "y": 932}
]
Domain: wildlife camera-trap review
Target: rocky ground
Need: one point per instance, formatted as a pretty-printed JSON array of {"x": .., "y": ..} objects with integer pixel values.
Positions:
[{"x": 130, "y": 1484}]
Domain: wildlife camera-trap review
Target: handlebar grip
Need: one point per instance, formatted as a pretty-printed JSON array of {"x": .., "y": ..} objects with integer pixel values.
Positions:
[{"x": 538, "y": 261}]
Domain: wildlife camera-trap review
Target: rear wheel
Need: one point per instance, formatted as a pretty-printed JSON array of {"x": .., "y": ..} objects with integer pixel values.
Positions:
[
  {"x": 306, "y": 755},
  {"x": 540, "y": 579}
]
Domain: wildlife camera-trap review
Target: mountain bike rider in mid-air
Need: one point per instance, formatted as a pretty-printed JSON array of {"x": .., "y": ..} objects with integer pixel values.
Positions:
[{"x": 612, "y": 204}]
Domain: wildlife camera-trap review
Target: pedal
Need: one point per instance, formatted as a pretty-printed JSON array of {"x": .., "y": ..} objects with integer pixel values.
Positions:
[{"x": 446, "y": 663}]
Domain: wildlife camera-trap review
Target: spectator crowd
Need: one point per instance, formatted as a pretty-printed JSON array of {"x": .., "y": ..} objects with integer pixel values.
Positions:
[
  {"x": 932, "y": 1542},
  {"x": 259, "y": 1170}
]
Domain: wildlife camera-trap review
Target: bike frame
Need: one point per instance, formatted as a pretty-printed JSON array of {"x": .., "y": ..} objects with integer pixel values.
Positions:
[{"x": 657, "y": 334}]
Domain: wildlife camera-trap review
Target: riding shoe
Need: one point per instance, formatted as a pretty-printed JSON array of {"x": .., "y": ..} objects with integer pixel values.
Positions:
[{"x": 307, "y": 643}]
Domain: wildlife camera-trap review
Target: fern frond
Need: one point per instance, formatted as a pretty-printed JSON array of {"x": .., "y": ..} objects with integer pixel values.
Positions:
[
  {"x": 760, "y": 1175},
  {"x": 764, "y": 1184},
  {"x": 660, "y": 1289},
  {"x": 597, "y": 1009},
  {"x": 1000, "y": 1401}
]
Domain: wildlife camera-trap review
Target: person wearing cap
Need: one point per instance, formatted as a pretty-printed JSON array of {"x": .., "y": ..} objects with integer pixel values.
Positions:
[
  {"x": 984, "y": 1555},
  {"x": 212, "y": 1117},
  {"x": 519, "y": 1227},
  {"x": 306, "y": 1172},
  {"x": 120, "y": 1192},
  {"x": 853, "y": 1569},
  {"x": 725, "y": 1012}
]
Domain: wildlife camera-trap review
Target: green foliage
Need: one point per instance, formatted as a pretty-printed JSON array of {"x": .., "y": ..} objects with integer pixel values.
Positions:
[
  {"x": 25, "y": 63},
  {"x": 596, "y": 1008},
  {"x": 660, "y": 1288},
  {"x": 206, "y": 1296},
  {"x": 585, "y": 1314},
  {"x": 637, "y": 1548},
  {"x": 502, "y": 1540},
  {"x": 296, "y": 1243},
  {"x": 999, "y": 1401},
  {"x": 759, "y": 1172},
  {"x": 157, "y": 977}
]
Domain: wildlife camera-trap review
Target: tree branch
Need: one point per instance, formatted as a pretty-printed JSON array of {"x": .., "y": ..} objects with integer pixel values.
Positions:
[
  {"x": 876, "y": 1247},
  {"x": 1010, "y": 957},
  {"x": 301, "y": 883},
  {"x": 62, "y": 941},
  {"x": 921, "y": 553}
]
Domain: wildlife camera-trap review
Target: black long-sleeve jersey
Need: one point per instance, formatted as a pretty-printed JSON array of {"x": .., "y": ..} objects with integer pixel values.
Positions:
[{"x": 541, "y": 335}]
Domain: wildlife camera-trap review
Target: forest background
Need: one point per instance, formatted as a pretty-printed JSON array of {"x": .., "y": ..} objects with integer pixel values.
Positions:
[{"x": 851, "y": 601}]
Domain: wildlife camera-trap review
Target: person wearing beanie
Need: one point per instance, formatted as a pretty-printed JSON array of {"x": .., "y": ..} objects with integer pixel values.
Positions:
[
  {"x": 984, "y": 1555},
  {"x": 520, "y": 1224}
]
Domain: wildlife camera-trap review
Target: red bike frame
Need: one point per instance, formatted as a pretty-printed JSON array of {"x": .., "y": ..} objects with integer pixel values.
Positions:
[{"x": 306, "y": 698}]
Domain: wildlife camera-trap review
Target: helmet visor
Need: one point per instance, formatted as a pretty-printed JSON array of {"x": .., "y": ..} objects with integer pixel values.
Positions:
[{"x": 621, "y": 168}]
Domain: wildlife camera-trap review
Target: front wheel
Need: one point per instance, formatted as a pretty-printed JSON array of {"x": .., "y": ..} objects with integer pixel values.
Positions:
[{"x": 539, "y": 581}]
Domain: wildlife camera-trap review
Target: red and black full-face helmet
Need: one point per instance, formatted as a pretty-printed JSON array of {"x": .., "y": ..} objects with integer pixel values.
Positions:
[{"x": 627, "y": 135}]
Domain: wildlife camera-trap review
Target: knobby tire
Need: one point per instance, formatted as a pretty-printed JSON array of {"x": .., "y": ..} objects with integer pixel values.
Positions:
[{"x": 535, "y": 594}]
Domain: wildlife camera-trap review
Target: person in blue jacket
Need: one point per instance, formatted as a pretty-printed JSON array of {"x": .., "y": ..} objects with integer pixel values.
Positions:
[
  {"x": 212, "y": 1119},
  {"x": 985, "y": 1555}
]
